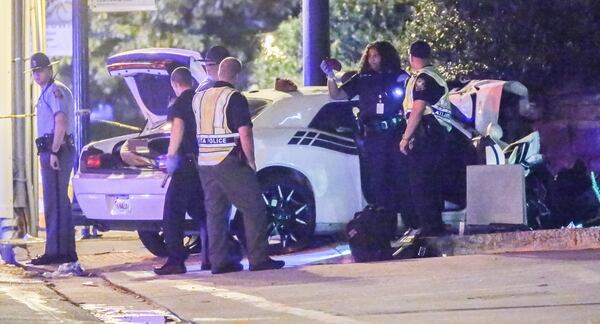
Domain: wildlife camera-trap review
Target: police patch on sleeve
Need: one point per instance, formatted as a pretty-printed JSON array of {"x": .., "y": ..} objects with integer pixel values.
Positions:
[
  {"x": 57, "y": 93},
  {"x": 420, "y": 84}
]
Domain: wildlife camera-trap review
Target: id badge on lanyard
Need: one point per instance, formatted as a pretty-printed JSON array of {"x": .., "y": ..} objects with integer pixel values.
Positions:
[{"x": 380, "y": 107}]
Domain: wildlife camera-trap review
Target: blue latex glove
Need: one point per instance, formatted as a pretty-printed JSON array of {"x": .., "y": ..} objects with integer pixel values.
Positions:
[
  {"x": 172, "y": 164},
  {"x": 326, "y": 69}
]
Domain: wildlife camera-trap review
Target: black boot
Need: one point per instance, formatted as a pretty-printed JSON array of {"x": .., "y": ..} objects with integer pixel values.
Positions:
[
  {"x": 269, "y": 264},
  {"x": 47, "y": 259},
  {"x": 171, "y": 267}
]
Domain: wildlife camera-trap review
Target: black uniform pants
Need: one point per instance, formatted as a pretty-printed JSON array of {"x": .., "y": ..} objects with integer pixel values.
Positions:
[
  {"x": 233, "y": 182},
  {"x": 184, "y": 195},
  {"x": 425, "y": 175},
  {"x": 385, "y": 171},
  {"x": 60, "y": 230}
]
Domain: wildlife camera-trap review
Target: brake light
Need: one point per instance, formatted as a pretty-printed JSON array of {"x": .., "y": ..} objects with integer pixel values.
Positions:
[
  {"x": 162, "y": 162},
  {"x": 93, "y": 161}
]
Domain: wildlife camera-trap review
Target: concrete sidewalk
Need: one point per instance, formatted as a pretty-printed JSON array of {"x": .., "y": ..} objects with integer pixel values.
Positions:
[
  {"x": 498, "y": 288},
  {"x": 520, "y": 287}
]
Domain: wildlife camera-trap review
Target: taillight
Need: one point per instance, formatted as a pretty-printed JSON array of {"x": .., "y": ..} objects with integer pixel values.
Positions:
[
  {"x": 93, "y": 161},
  {"x": 161, "y": 161}
]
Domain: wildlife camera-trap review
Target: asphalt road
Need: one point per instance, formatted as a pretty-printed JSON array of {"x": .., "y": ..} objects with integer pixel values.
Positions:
[{"x": 320, "y": 285}]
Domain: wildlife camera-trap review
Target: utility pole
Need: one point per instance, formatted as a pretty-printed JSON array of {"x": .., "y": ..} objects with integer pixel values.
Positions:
[
  {"x": 315, "y": 39},
  {"x": 80, "y": 74},
  {"x": 22, "y": 200}
]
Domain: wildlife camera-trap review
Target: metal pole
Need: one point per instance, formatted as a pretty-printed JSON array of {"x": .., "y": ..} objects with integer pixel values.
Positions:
[
  {"x": 6, "y": 130},
  {"x": 80, "y": 74},
  {"x": 315, "y": 39},
  {"x": 19, "y": 166}
]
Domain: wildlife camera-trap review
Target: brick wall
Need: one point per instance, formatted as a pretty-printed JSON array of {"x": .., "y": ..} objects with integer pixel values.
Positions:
[{"x": 570, "y": 128}]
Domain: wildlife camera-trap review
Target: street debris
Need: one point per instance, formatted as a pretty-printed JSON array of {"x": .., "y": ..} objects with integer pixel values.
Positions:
[
  {"x": 66, "y": 270},
  {"x": 112, "y": 252}
]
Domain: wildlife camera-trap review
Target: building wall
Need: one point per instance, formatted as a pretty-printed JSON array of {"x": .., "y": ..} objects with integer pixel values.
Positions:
[{"x": 570, "y": 130}]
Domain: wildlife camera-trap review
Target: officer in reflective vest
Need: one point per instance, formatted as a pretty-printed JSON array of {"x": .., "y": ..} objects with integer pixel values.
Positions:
[
  {"x": 427, "y": 108},
  {"x": 228, "y": 172},
  {"x": 55, "y": 124}
]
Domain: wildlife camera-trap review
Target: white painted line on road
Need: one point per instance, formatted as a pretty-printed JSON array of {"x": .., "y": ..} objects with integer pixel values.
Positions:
[
  {"x": 126, "y": 314},
  {"x": 238, "y": 319},
  {"x": 139, "y": 274},
  {"x": 11, "y": 279},
  {"x": 265, "y": 304},
  {"x": 31, "y": 299}
]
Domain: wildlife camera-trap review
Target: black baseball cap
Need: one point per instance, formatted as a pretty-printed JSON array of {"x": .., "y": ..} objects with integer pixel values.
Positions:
[
  {"x": 39, "y": 61},
  {"x": 215, "y": 54},
  {"x": 420, "y": 49}
]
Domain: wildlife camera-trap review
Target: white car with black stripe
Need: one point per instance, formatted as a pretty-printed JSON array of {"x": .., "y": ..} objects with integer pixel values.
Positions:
[{"x": 306, "y": 158}]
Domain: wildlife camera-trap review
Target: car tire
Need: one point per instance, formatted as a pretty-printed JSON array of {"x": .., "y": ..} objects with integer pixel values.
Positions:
[
  {"x": 291, "y": 211},
  {"x": 155, "y": 243}
]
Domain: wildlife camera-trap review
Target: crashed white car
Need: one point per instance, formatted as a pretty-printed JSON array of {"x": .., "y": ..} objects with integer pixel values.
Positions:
[{"x": 305, "y": 154}]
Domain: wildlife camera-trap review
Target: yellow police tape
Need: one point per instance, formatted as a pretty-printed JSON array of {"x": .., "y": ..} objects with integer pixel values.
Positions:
[
  {"x": 16, "y": 116},
  {"x": 114, "y": 123},
  {"x": 109, "y": 122}
]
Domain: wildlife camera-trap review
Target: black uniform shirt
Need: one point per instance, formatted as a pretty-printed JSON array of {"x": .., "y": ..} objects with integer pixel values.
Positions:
[
  {"x": 427, "y": 89},
  {"x": 369, "y": 86},
  {"x": 182, "y": 109},
  {"x": 237, "y": 111}
]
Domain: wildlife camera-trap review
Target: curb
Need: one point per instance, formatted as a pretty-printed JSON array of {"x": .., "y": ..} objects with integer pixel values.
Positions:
[{"x": 529, "y": 241}]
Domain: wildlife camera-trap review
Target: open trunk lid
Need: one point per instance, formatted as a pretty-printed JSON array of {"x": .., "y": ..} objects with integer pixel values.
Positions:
[{"x": 146, "y": 73}]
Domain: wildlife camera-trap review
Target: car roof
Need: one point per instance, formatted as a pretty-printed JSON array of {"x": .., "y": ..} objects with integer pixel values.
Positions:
[{"x": 294, "y": 109}]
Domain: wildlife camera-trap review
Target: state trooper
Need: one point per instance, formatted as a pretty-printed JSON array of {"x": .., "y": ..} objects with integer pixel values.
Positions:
[
  {"x": 55, "y": 124},
  {"x": 228, "y": 172},
  {"x": 184, "y": 193},
  {"x": 427, "y": 107},
  {"x": 379, "y": 84}
]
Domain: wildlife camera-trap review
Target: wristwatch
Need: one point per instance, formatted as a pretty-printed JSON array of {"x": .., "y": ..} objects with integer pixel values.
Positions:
[{"x": 54, "y": 153}]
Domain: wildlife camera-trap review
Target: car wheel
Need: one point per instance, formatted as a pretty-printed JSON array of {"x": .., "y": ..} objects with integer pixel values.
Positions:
[
  {"x": 155, "y": 243},
  {"x": 291, "y": 211}
]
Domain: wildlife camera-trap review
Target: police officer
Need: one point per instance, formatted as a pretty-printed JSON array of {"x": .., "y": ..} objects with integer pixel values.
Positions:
[
  {"x": 55, "y": 123},
  {"x": 227, "y": 171},
  {"x": 210, "y": 63},
  {"x": 185, "y": 191},
  {"x": 380, "y": 86},
  {"x": 427, "y": 107}
]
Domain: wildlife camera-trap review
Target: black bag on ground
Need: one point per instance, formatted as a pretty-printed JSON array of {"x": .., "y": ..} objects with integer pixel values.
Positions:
[{"x": 369, "y": 235}]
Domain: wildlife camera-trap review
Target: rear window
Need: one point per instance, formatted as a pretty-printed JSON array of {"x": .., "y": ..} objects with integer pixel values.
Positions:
[
  {"x": 336, "y": 118},
  {"x": 256, "y": 106}
]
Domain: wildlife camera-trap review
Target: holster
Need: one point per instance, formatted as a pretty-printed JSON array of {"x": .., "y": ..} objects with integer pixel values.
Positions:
[
  {"x": 428, "y": 135},
  {"x": 44, "y": 142}
]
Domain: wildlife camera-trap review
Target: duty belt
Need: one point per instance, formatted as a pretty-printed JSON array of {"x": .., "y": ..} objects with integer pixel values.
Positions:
[{"x": 383, "y": 125}]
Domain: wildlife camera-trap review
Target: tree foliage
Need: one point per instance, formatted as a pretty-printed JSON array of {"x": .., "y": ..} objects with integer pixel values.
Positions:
[
  {"x": 189, "y": 24},
  {"x": 354, "y": 23},
  {"x": 538, "y": 42}
]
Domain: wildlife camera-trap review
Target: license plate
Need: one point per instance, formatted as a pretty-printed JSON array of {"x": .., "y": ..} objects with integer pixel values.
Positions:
[{"x": 120, "y": 205}]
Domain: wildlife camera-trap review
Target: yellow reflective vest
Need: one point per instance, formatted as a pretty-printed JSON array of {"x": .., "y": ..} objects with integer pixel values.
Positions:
[
  {"x": 215, "y": 139},
  {"x": 441, "y": 109}
]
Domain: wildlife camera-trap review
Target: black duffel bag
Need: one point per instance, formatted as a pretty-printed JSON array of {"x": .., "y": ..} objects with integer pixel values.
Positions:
[{"x": 370, "y": 233}]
